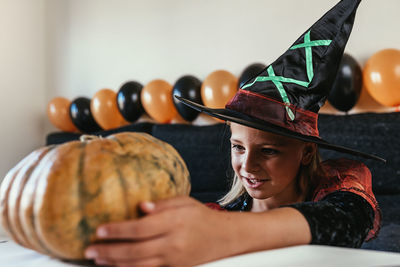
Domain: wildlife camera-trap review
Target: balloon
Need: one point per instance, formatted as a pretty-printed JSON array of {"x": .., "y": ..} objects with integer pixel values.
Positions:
[
  {"x": 218, "y": 88},
  {"x": 157, "y": 101},
  {"x": 58, "y": 114},
  {"x": 347, "y": 86},
  {"x": 81, "y": 115},
  {"x": 105, "y": 111},
  {"x": 367, "y": 103},
  {"x": 187, "y": 87},
  {"x": 128, "y": 99},
  {"x": 382, "y": 77},
  {"x": 250, "y": 72}
]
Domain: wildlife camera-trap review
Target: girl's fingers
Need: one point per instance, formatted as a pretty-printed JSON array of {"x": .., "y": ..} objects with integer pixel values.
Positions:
[
  {"x": 124, "y": 252},
  {"x": 148, "y": 226},
  {"x": 170, "y": 203},
  {"x": 143, "y": 228},
  {"x": 151, "y": 262},
  {"x": 104, "y": 262}
]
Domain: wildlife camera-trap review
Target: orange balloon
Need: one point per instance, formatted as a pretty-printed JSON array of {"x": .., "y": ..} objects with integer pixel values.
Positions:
[
  {"x": 58, "y": 114},
  {"x": 218, "y": 88},
  {"x": 382, "y": 77},
  {"x": 156, "y": 97},
  {"x": 105, "y": 110}
]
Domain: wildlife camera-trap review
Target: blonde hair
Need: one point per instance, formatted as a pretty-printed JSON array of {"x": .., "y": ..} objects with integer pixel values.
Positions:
[{"x": 307, "y": 179}]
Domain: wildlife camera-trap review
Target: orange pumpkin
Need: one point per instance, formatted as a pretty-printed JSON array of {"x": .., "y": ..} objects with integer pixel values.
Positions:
[{"x": 54, "y": 199}]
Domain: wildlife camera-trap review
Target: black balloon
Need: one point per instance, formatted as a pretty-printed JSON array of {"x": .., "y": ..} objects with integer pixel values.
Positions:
[
  {"x": 81, "y": 116},
  {"x": 347, "y": 86},
  {"x": 250, "y": 72},
  {"x": 188, "y": 87},
  {"x": 129, "y": 102}
]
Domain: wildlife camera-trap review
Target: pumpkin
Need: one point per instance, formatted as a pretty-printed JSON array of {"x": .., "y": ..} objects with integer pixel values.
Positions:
[{"x": 54, "y": 199}]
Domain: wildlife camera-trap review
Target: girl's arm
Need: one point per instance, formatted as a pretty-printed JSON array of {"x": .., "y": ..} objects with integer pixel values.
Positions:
[
  {"x": 183, "y": 232},
  {"x": 341, "y": 219}
]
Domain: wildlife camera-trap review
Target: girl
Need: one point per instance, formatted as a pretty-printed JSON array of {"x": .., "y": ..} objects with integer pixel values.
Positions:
[{"x": 294, "y": 198}]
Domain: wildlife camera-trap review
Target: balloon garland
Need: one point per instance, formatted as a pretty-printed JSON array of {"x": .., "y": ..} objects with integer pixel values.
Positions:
[
  {"x": 157, "y": 101},
  {"x": 58, "y": 114},
  {"x": 346, "y": 89},
  {"x": 249, "y": 72},
  {"x": 129, "y": 102},
  {"x": 187, "y": 87},
  {"x": 105, "y": 110},
  {"x": 382, "y": 77},
  {"x": 218, "y": 88},
  {"x": 108, "y": 109},
  {"x": 82, "y": 117}
]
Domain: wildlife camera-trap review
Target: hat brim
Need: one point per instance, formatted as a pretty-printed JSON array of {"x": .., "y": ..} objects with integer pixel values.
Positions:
[{"x": 243, "y": 119}]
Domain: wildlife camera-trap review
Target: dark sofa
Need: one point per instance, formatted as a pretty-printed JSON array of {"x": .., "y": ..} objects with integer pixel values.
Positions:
[{"x": 205, "y": 150}]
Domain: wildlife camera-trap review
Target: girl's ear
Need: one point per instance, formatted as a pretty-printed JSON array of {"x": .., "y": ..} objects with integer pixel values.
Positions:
[{"x": 309, "y": 151}]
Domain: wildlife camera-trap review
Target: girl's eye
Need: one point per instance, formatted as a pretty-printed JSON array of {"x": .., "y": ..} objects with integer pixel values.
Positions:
[
  {"x": 269, "y": 151},
  {"x": 237, "y": 148}
]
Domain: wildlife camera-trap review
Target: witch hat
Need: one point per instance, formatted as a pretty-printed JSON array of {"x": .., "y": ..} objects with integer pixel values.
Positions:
[{"x": 286, "y": 96}]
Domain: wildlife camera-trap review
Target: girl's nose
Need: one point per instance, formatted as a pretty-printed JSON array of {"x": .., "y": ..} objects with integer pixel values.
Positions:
[{"x": 250, "y": 163}]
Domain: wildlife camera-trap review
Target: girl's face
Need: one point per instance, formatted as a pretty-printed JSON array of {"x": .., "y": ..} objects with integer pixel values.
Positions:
[{"x": 267, "y": 164}]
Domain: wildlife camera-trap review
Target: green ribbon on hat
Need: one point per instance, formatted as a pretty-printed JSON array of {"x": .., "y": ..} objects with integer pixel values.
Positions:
[
  {"x": 282, "y": 91},
  {"x": 278, "y": 80},
  {"x": 308, "y": 44}
]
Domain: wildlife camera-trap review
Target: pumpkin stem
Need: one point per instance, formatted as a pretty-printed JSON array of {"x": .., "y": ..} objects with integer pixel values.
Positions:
[{"x": 89, "y": 137}]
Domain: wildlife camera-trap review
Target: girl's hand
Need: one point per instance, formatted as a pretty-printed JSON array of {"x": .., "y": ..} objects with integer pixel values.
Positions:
[{"x": 175, "y": 232}]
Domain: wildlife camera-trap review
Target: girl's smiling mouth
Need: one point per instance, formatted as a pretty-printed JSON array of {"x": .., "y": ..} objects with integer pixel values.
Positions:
[{"x": 254, "y": 183}]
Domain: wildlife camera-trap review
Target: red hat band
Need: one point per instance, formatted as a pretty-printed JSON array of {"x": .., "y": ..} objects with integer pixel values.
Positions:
[{"x": 273, "y": 111}]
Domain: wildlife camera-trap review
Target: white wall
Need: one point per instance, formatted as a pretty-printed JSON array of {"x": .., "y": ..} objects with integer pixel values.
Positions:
[
  {"x": 101, "y": 43},
  {"x": 73, "y": 48},
  {"x": 22, "y": 80}
]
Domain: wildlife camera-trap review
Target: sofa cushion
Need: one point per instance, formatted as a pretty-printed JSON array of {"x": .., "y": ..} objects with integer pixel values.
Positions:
[
  {"x": 61, "y": 137},
  {"x": 375, "y": 133},
  {"x": 208, "y": 197},
  {"x": 206, "y": 151},
  {"x": 387, "y": 240},
  {"x": 389, "y": 205},
  {"x": 389, "y": 235}
]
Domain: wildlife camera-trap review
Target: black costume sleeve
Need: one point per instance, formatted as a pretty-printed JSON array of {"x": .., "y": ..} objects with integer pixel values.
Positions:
[{"x": 339, "y": 219}]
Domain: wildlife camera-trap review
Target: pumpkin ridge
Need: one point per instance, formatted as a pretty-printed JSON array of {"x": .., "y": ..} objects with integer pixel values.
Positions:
[
  {"x": 96, "y": 190},
  {"x": 23, "y": 177},
  {"x": 83, "y": 230},
  {"x": 28, "y": 199},
  {"x": 5, "y": 189},
  {"x": 124, "y": 189},
  {"x": 155, "y": 161},
  {"x": 85, "y": 226},
  {"x": 121, "y": 177},
  {"x": 129, "y": 172},
  {"x": 114, "y": 138},
  {"x": 49, "y": 218},
  {"x": 171, "y": 156}
]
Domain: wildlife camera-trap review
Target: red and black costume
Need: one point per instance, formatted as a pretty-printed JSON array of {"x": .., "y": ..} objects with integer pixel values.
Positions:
[{"x": 341, "y": 212}]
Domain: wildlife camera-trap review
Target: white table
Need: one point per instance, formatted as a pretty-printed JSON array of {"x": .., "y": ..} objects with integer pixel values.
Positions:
[
  {"x": 13, "y": 255},
  {"x": 312, "y": 256}
]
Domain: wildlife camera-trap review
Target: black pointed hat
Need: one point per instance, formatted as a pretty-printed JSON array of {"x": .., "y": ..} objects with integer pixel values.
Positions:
[{"x": 286, "y": 96}]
